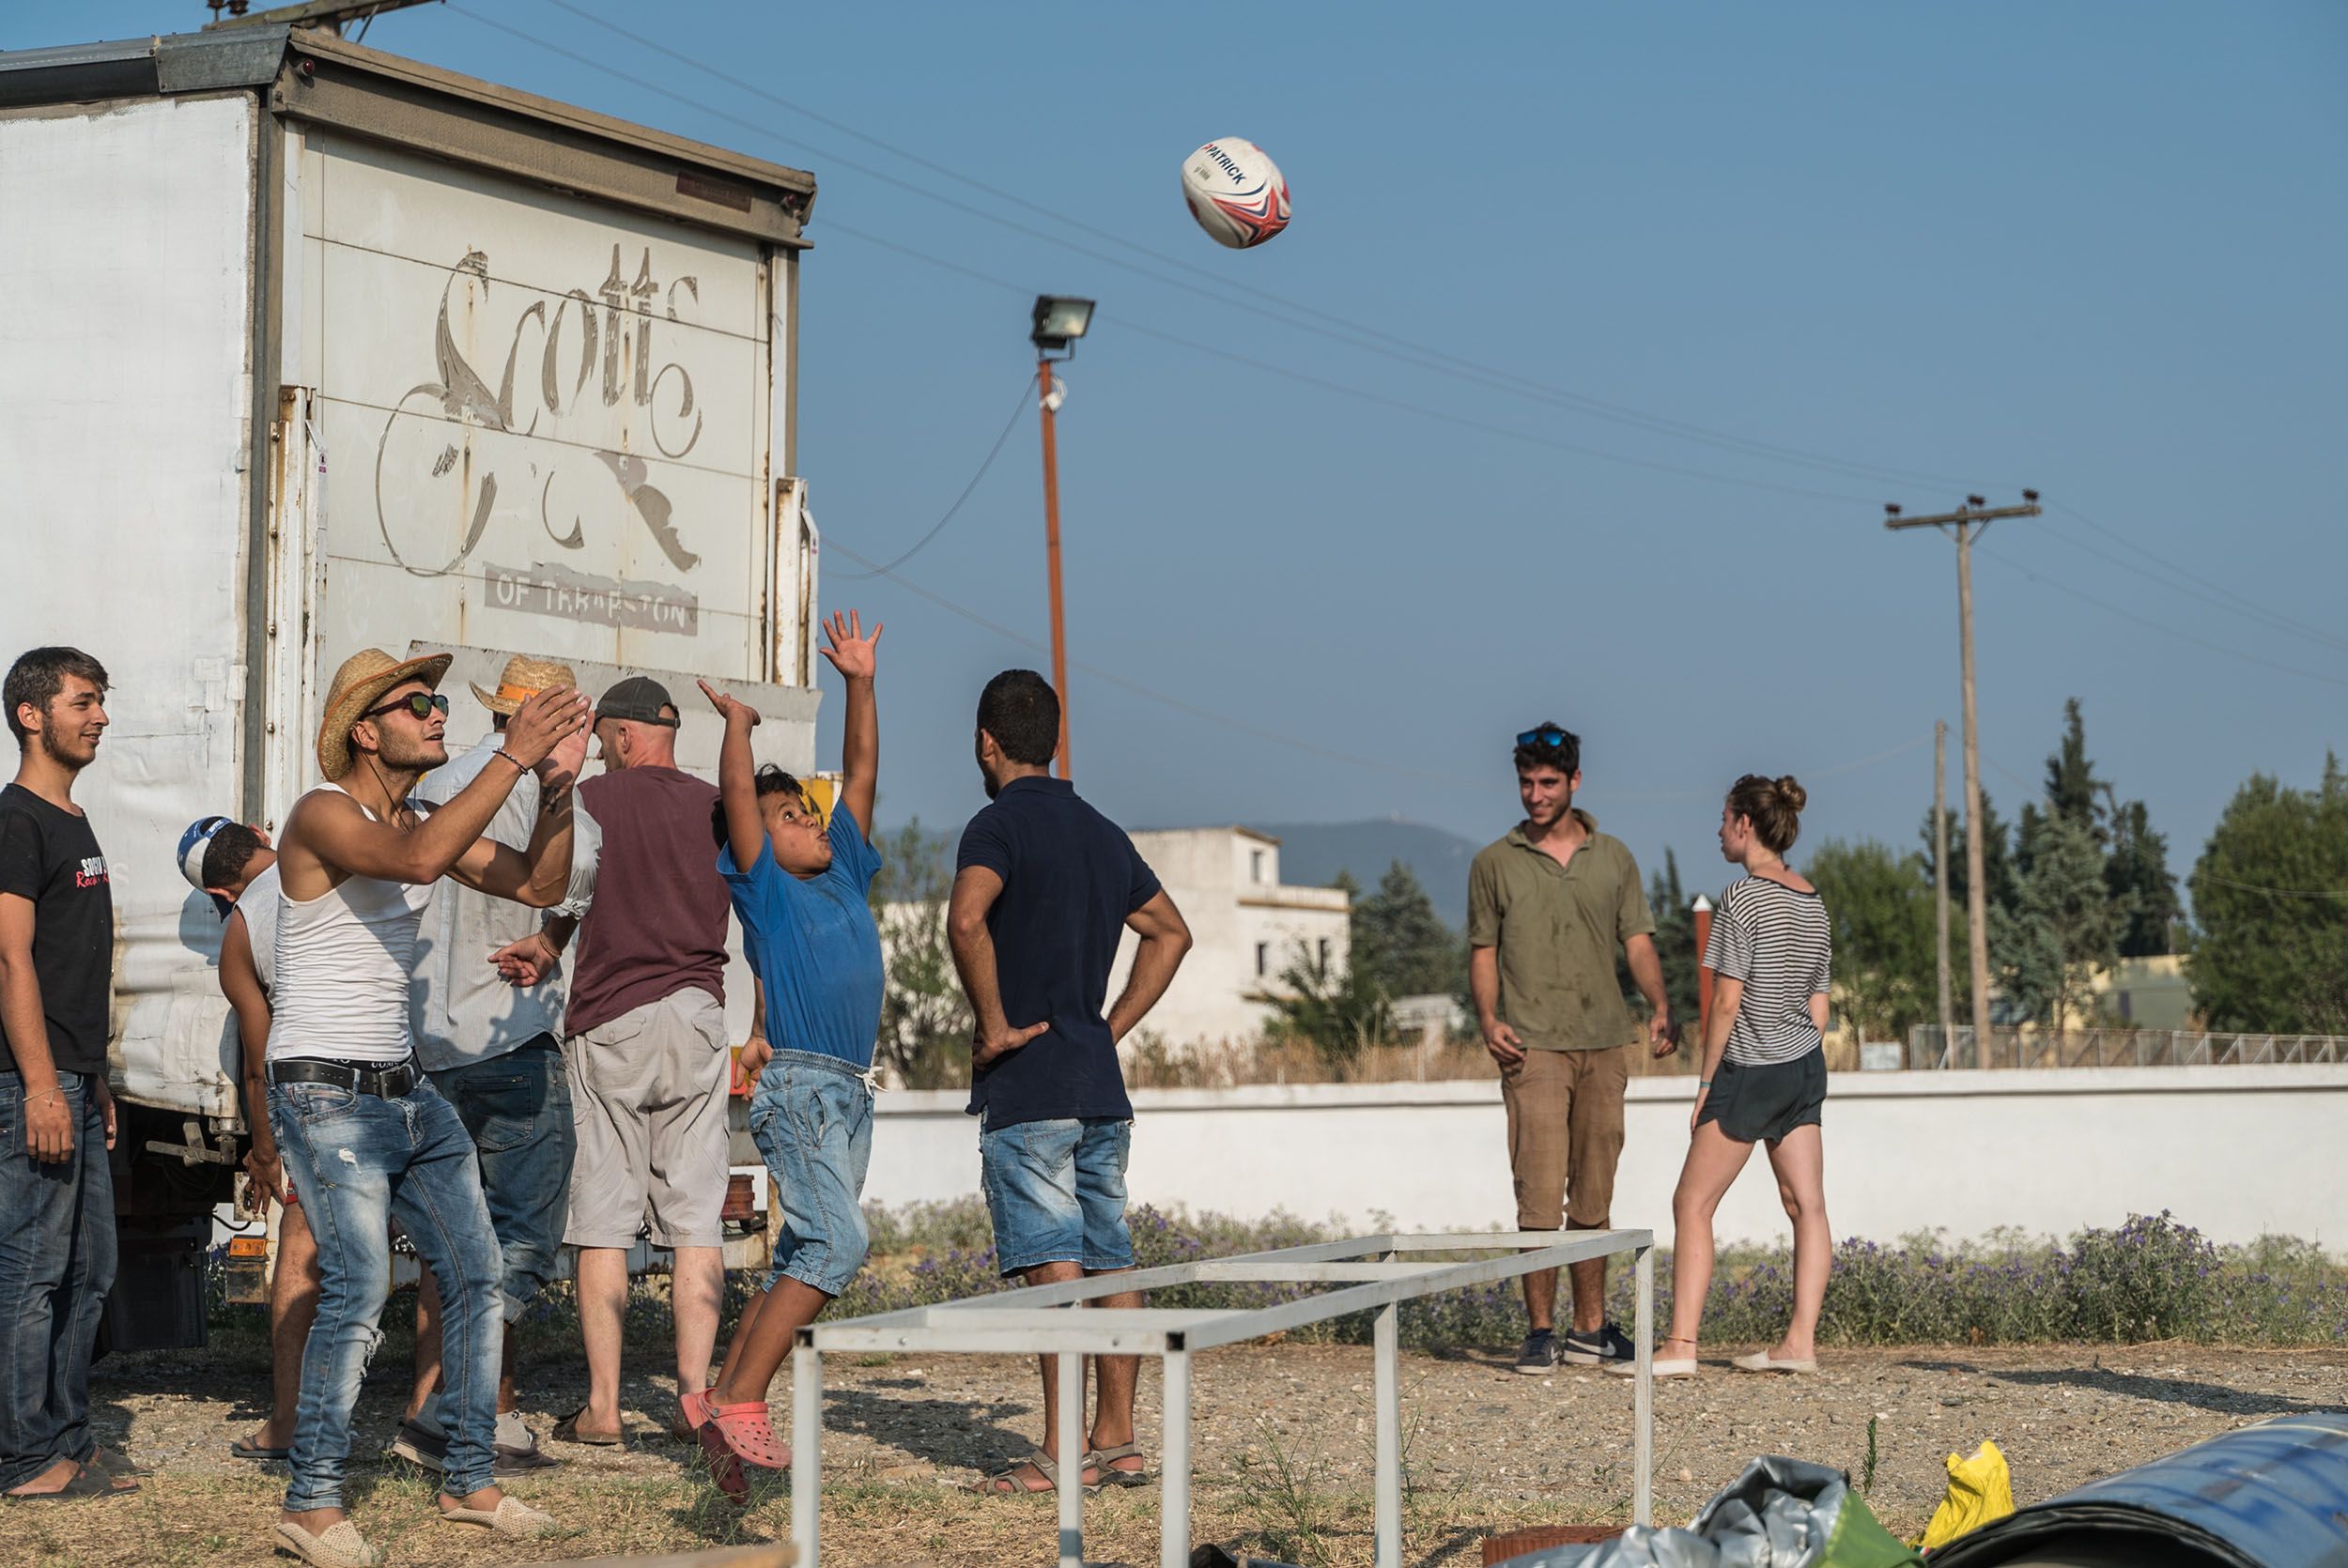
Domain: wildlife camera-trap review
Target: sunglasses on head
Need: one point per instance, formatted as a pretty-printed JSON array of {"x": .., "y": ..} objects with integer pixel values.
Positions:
[
  {"x": 423, "y": 704},
  {"x": 1546, "y": 735}
]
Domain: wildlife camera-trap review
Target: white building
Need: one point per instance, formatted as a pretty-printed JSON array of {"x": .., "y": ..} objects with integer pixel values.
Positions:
[{"x": 1247, "y": 928}]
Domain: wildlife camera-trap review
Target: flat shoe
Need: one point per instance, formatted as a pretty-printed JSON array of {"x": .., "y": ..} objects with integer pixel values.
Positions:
[
  {"x": 512, "y": 1517},
  {"x": 1761, "y": 1361},
  {"x": 338, "y": 1546},
  {"x": 88, "y": 1482},
  {"x": 568, "y": 1430},
  {"x": 1664, "y": 1366}
]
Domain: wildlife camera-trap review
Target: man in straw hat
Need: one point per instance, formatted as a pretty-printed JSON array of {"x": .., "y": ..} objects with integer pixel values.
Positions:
[
  {"x": 494, "y": 1051},
  {"x": 365, "y": 1136}
]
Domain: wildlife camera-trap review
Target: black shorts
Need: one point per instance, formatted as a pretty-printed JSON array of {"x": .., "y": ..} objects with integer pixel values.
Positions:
[{"x": 1762, "y": 1102}]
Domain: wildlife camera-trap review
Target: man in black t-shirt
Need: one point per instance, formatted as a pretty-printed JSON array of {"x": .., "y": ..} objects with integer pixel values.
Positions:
[
  {"x": 57, "y": 1198},
  {"x": 1044, "y": 887}
]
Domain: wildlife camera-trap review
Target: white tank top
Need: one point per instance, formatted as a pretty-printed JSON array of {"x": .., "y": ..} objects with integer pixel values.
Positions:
[
  {"x": 343, "y": 962},
  {"x": 260, "y": 902}
]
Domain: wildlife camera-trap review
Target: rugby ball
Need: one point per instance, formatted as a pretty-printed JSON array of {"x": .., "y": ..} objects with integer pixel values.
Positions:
[{"x": 1236, "y": 193}]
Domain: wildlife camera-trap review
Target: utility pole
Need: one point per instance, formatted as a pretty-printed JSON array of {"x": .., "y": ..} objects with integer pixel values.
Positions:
[
  {"x": 1049, "y": 405},
  {"x": 1941, "y": 879},
  {"x": 332, "y": 14},
  {"x": 1965, "y": 523}
]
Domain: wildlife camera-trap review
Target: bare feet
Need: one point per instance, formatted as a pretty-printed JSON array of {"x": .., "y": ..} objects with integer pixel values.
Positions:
[
  {"x": 317, "y": 1521},
  {"x": 56, "y": 1478},
  {"x": 485, "y": 1501}
]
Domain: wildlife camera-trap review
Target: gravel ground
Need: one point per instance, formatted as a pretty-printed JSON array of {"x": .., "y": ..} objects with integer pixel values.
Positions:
[{"x": 1283, "y": 1435}]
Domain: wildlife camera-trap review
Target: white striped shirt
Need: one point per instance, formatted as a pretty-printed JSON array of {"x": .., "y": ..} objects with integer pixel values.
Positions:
[{"x": 1780, "y": 945}]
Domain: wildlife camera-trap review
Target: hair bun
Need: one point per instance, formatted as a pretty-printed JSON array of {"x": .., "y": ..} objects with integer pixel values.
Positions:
[{"x": 1792, "y": 792}]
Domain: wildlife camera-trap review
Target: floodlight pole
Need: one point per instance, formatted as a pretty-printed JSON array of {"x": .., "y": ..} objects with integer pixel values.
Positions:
[
  {"x": 1051, "y": 549},
  {"x": 1964, "y": 523}
]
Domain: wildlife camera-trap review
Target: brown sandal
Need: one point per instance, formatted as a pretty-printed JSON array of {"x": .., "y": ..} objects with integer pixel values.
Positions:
[
  {"x": 1005, "y": 1483},
  {"x": 568, "y": 1430}
]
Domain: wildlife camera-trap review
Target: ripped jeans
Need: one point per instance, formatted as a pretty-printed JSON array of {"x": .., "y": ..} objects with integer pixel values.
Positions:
[{"x": 359, "y": 1160}]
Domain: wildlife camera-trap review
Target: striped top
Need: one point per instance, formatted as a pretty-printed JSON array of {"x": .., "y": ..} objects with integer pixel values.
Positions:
[{"x": 1779, "y": 944}]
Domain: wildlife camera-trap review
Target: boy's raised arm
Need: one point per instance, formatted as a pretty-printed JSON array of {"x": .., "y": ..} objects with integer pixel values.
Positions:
[{"x": 737, "y": 778}]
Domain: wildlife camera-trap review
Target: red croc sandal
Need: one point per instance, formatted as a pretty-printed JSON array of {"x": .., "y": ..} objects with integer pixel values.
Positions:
[{"x": 749, "y": 1432}]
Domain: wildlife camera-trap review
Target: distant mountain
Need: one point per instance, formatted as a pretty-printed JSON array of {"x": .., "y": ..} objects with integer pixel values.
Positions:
[{"x": 1312, "y": 854}]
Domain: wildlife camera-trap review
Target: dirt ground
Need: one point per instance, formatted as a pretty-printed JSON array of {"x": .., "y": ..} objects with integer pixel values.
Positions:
[{"x": 1283, "y": 1435}]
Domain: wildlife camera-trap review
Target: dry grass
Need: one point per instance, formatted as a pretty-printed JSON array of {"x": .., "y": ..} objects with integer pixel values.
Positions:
[{"x": 868, "y": 1522}]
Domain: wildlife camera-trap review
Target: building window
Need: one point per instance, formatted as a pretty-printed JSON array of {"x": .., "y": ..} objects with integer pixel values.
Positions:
[
  {"x": 1255, "y": 865},
  {"x": 1264, "y": 959},
  {"x": 1325, "y": 953}
]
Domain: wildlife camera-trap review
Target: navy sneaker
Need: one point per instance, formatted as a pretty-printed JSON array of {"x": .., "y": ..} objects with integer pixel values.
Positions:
[
  {"x": 1600, "y": 1347},
  {"x": 1539, "y": 1354}
]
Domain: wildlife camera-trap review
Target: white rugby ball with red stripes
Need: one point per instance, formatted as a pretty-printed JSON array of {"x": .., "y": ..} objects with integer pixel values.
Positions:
[{"x": 1235, "y": 191}]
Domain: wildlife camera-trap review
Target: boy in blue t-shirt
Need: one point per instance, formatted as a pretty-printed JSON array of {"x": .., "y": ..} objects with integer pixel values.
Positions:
[{"x": 800, "y": 891}]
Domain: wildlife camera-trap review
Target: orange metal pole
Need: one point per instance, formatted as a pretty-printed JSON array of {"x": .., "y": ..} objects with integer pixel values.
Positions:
[{"x": 1051, "y": 551}]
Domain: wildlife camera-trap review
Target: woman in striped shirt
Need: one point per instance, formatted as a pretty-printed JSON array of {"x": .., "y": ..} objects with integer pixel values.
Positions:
[{"x": 1764, "y": 1073}]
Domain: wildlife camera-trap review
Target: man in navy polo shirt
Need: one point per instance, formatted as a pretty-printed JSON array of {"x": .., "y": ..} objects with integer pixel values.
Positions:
[{"x": 1044, "y": 887}]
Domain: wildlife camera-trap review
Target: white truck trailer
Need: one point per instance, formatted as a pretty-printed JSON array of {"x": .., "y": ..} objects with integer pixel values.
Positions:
[{"x": 316, "y": 349}]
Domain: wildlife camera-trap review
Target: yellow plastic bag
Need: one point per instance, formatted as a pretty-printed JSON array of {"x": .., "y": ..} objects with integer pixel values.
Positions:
[{"x": 1981, "y": 1489}]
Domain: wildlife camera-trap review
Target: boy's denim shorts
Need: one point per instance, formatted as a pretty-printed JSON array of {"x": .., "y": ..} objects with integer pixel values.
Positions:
[
  {"x": 812, "y": 1121},
  {"x": 1056, "y": 1191}
]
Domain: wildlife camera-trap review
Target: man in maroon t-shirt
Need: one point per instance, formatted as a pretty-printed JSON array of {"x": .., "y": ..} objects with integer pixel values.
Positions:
[{"x": 646, "y": 1044}]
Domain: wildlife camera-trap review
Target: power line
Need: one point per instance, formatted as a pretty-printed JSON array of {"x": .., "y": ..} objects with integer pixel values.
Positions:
[
  {"x": 2208, "y": 592},
  {"x": 1218, "y": 287},
  {"x": 2272, "y": 892},
  {"x": 1420, "y": 411},
  {"x": 994, "y": 451},
  {"x": 2163, "y": 625},
  {"x": 1136, "y": 687}
]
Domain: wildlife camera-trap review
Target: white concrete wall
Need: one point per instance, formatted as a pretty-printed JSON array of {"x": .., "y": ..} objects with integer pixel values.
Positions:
[{"x": 2235, "y": 1151}]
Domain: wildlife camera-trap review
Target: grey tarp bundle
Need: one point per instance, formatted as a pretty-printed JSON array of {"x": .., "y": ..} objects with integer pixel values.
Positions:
[
  {"x": 2270, "y": 1496},
  {"x": 1780, "y": 1513}
]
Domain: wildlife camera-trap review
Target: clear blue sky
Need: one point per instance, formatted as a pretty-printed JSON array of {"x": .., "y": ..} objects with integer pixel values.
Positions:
[{"x": 2097, "y": 249}]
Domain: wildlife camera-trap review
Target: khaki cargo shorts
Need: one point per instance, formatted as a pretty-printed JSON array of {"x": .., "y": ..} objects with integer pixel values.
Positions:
[
  {"x": 648, "y": 1092},
  {"x": 1565, "y": 1135}
]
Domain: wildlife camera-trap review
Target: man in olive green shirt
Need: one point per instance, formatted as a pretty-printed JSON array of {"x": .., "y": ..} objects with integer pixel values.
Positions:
[{"x": 1547, "y": 907}]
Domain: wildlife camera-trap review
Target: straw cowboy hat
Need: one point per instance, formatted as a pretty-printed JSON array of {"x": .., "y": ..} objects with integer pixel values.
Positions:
[
  {"x": 522, "y": 679},
  {"x": 360, "y": 684}
]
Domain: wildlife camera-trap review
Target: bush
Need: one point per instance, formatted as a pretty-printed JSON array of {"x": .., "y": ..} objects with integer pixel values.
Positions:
[{"x": 2150, "y": 1279}]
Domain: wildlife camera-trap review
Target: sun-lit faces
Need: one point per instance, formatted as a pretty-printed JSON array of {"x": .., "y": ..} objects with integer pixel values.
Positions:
[
  {"x": 794, "y": 826},
  {"x": 1546, "y": 793}
]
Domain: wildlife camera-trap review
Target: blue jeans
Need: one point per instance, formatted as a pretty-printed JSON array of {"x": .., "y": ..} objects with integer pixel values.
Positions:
[
  {"x": 812, "y": 1119},
  {"x": 1056, "y": 1191},
  {"x": 359, "y": 1160},
  {"x": 517, "y": 1108},
  {"x": 57, "y": 1264}
]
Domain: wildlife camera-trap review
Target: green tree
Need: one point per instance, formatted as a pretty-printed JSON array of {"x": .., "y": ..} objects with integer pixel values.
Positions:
[
  {"x": 1675, "y": 946},
  {"x": 1880, "y": 903},
  {"x": 1401, "y": 944},
  {"x": 2001, "y": 885},
  {"x": 925, "y": 1021},
  {"x": 1341, "y": 1013},
  {"x": 2072, "y": 791},
  {"x": 2143, "y": 889},
  {"x": 2064, "y": 928},
  {"x": 2273, "y": 950}
]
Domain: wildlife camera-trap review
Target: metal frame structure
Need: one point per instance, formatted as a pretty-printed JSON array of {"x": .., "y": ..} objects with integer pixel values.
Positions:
[{"x": 1372, "y": 1273}]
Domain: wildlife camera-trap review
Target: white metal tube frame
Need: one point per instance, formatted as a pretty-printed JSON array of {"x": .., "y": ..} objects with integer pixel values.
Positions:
[{"x": 1371, "y": 1274}]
